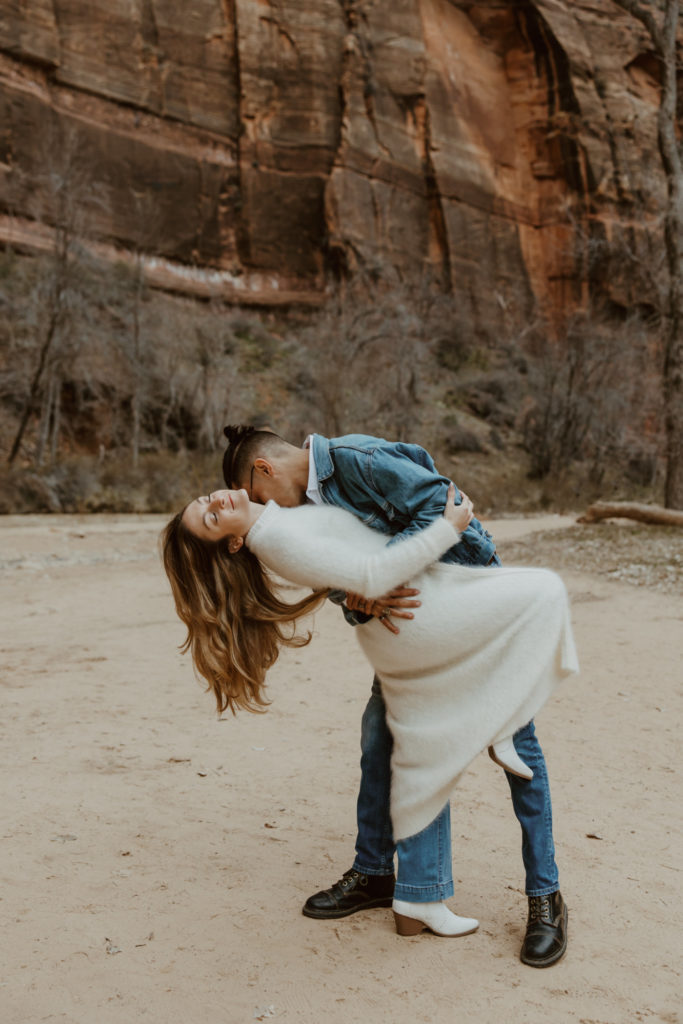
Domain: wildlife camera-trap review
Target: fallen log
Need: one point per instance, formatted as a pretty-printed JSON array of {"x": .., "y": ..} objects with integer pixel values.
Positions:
[{"x": 652, "y": 514}]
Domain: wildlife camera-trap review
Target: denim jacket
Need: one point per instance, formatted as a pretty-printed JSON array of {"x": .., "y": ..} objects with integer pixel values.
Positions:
[{"x": 394, "y": 488}]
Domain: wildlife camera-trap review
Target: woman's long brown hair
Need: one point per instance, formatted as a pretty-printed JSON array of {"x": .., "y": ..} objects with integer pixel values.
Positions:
[{"x": 235, "y": 622}]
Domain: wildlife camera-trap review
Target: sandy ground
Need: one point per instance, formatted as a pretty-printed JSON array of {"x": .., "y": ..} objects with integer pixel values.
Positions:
[{"x": 155, "y": 859}]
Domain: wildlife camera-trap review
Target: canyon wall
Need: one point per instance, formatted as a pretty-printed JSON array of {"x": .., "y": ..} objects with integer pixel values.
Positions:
[{"x": 256, "y": 149}]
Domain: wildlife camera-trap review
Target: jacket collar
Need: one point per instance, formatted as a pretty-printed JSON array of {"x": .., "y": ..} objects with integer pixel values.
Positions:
[{"x": 321, "y": 454}]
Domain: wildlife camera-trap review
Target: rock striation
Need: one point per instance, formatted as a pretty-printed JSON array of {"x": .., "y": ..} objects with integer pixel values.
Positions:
[{"x": 253, "y": 149}]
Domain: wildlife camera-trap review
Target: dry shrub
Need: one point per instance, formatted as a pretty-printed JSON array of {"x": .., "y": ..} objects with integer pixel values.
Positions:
[
  {"x": 591, "y": 400},
  {"x": 161, "y": 482},
  {"x": 135, "y": 422}
]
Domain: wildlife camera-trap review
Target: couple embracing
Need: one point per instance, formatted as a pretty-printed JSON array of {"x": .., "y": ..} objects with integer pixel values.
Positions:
[{"x": 372, "y": 525}]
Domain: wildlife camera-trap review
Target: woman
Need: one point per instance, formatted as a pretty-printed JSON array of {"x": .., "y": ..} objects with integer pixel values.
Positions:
[{"x": 480, "y": 658}]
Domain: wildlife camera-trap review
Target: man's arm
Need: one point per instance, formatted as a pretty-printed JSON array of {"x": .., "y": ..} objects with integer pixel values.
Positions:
[
  {"x": 358, "y": 609},
  {"x": 416, "y": 491},
  {"x": 353, "y": 616},
  {"x": 391, "y": 605}
]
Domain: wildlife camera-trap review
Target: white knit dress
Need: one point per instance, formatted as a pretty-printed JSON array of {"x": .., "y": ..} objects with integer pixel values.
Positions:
[{"x": 482, "y": 655}]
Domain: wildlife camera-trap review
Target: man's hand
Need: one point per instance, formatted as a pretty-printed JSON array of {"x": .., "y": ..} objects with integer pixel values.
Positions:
[
  {"x": 459, "y": 516},
  {"x": 383, "y": 608}
]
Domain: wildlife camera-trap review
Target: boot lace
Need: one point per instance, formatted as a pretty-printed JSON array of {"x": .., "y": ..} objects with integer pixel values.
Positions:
[
  {"x": 349, "y": 880},
  {"x": 540, "y": 909}
]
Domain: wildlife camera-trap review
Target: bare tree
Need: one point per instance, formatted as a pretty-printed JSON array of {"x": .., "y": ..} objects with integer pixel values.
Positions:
[
  {"x": 360, "y": 363},
  {"x": 215, "y": 376},
  {"x": 137, "y": 360},
  {"x": 133, "y": 337},
  {"x": 580, "y": 410},
  {"x": 55, "y": 310},
  {"x": 661, "y": 22},
  {"x": 61, "y": 200}
]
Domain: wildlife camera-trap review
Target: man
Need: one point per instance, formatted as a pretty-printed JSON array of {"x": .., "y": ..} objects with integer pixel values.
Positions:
[{"x": 396, "y": 489}]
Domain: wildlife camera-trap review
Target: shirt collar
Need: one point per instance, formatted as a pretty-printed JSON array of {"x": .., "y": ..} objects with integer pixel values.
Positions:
[{"x": 312, "y": 490}]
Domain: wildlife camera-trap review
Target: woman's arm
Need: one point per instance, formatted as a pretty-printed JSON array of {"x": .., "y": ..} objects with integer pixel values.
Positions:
[{"x": 323, "y": 547}]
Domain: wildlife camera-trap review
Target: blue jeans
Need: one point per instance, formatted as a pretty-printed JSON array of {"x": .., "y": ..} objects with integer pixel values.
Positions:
[{"x": 424, "y": 860}]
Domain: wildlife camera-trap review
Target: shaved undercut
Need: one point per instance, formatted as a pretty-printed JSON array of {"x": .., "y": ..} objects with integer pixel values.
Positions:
[{"x": 245, "y": 444}]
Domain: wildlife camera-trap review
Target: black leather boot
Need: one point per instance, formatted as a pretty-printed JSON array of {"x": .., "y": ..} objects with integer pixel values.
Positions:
[
  {"x": 546, "y": 931},
  {"x": 351, "y": 893}
]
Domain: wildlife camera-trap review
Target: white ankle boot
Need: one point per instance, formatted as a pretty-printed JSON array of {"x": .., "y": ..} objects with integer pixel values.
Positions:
[
  {"x": 412, "y": 918},
  {"x": 506, "y": 756}
]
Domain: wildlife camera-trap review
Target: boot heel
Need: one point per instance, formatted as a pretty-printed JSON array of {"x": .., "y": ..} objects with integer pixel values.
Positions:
[
  {"x": 505, "y": 755},
  {"x": 407, "y": 925}
]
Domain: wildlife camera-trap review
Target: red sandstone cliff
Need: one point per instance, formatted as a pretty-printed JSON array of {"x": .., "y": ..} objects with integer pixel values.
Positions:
[{"x": 254, "y": 147}]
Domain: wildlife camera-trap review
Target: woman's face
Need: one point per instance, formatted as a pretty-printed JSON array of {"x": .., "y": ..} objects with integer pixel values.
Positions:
[{"x": 219, "y": 514}]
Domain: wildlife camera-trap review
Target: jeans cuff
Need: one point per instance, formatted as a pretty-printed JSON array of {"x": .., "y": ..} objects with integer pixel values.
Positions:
[
  {"x": 423, "y": 893},
  {"x": 547, "y": 891},
  {"x": 375, "y": 872}
]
